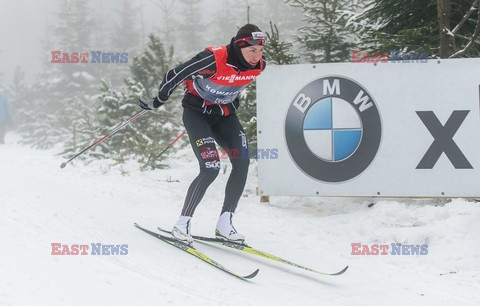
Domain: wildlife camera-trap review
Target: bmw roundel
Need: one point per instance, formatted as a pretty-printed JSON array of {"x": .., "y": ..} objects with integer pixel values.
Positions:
[{"x": 333, "y": 129}]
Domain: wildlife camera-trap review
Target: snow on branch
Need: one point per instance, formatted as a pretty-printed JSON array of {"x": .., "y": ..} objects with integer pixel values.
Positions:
[
  {"x": 472, "y": 39},
  {"x": 472, "y": 9}
]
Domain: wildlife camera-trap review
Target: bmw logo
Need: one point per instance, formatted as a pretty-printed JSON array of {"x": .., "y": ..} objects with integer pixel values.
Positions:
[{"x": 333, "y": 129}]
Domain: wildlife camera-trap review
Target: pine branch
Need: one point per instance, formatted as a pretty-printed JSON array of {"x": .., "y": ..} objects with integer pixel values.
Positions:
[
  {"x": 467, "y": 15},
  {"x": 471, "y": 42}
]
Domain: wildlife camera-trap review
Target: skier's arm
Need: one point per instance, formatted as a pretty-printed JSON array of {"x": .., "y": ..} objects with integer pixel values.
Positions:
[{"x": 202, "y": 64}]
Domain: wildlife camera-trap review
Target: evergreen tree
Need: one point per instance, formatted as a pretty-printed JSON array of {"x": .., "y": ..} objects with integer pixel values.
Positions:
[
  {"x": 465, "y": 23},
  {"x": 247, "y": 113},
  {"x": 125, "y": 30},
  {"x": 439, "y": 27},
  {"x": 227, "y": 22},
  {"x": 63, "y": 93},
  {"x": 286, "y": 17},
  {"x": 19, "y": 94},
  {"x": 325, "y": 38},
  {"x": 149, "y": 134},
  {"x": 124, "y": 37},
  {"x": 277, "y": 52},
  {"x": 168, "y": 29},
  {"x": 190, "y": 27}
]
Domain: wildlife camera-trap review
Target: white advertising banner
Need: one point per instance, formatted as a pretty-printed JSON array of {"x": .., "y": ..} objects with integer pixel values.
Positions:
[{"x": 359, "y": 129}]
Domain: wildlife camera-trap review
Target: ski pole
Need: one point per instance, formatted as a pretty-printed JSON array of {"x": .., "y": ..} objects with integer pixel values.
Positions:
[
  {"x": 135, "y": 117},
  {"x": 169, "y": 146}
]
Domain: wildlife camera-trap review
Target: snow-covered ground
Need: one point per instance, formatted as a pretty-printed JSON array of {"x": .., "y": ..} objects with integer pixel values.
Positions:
[{"x": 41, "y": 204}]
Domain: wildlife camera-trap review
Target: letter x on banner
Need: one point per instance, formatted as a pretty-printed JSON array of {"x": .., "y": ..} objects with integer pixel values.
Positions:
[{"x": 443, "y": 140}]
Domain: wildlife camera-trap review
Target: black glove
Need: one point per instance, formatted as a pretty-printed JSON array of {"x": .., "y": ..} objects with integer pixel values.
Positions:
[{"x": 150, "y": 104}]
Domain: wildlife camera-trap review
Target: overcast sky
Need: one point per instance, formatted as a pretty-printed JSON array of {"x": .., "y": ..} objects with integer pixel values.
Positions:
[{"x": 23, "y": 24}]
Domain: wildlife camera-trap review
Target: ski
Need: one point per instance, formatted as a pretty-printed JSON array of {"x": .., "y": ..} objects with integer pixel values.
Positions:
[
  {"x": 248, "y": 249},
  {"x": 192, "y": 251}
]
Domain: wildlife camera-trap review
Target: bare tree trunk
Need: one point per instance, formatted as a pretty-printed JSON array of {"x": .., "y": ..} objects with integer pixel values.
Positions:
[
  {"x": 328, "y": 52},
  {"x": 443, "y": 17}
]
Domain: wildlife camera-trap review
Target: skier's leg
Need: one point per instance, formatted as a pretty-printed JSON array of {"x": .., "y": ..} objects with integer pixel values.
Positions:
[
  {"x": 202, "y": 142},
  {"x": 231, "y": 136},
  {"x": 199, "y": 131}
]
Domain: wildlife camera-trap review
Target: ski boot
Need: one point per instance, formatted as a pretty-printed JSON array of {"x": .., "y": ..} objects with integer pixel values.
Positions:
[
  {"x": 226, "y": 231},
  {"x": 182, "y": 230}
]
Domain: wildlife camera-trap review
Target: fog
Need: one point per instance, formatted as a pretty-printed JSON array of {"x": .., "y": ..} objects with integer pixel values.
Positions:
[{"x": 27, "y": 27}]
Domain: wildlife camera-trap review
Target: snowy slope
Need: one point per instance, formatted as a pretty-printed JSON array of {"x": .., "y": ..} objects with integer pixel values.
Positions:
[{"x": 42, "y": 204}]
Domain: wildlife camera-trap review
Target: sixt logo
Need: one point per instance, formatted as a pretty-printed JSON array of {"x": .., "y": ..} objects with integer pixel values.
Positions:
[
  {"x": 214, "y": 164},
  {"x": 82, "y": 249},
  {"x": 234, "y": 77},
  {"x": 333, "y": 129}
]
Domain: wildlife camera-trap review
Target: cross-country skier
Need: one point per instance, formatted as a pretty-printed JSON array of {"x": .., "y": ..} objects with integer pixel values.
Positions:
[{"x": 213, "y": 79}]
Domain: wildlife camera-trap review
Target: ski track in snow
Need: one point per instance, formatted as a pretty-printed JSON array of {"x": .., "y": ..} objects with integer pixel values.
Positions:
[{"x": 42, "y": 204}]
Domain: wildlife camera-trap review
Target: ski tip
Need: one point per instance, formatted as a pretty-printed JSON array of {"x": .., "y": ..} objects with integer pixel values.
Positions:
[
  {"x": 341, "y": 272},
  {"x": 252, "y": 275}
]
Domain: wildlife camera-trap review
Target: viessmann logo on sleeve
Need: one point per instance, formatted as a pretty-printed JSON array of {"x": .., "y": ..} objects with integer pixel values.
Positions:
[{"x": 333, "y": 129}]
